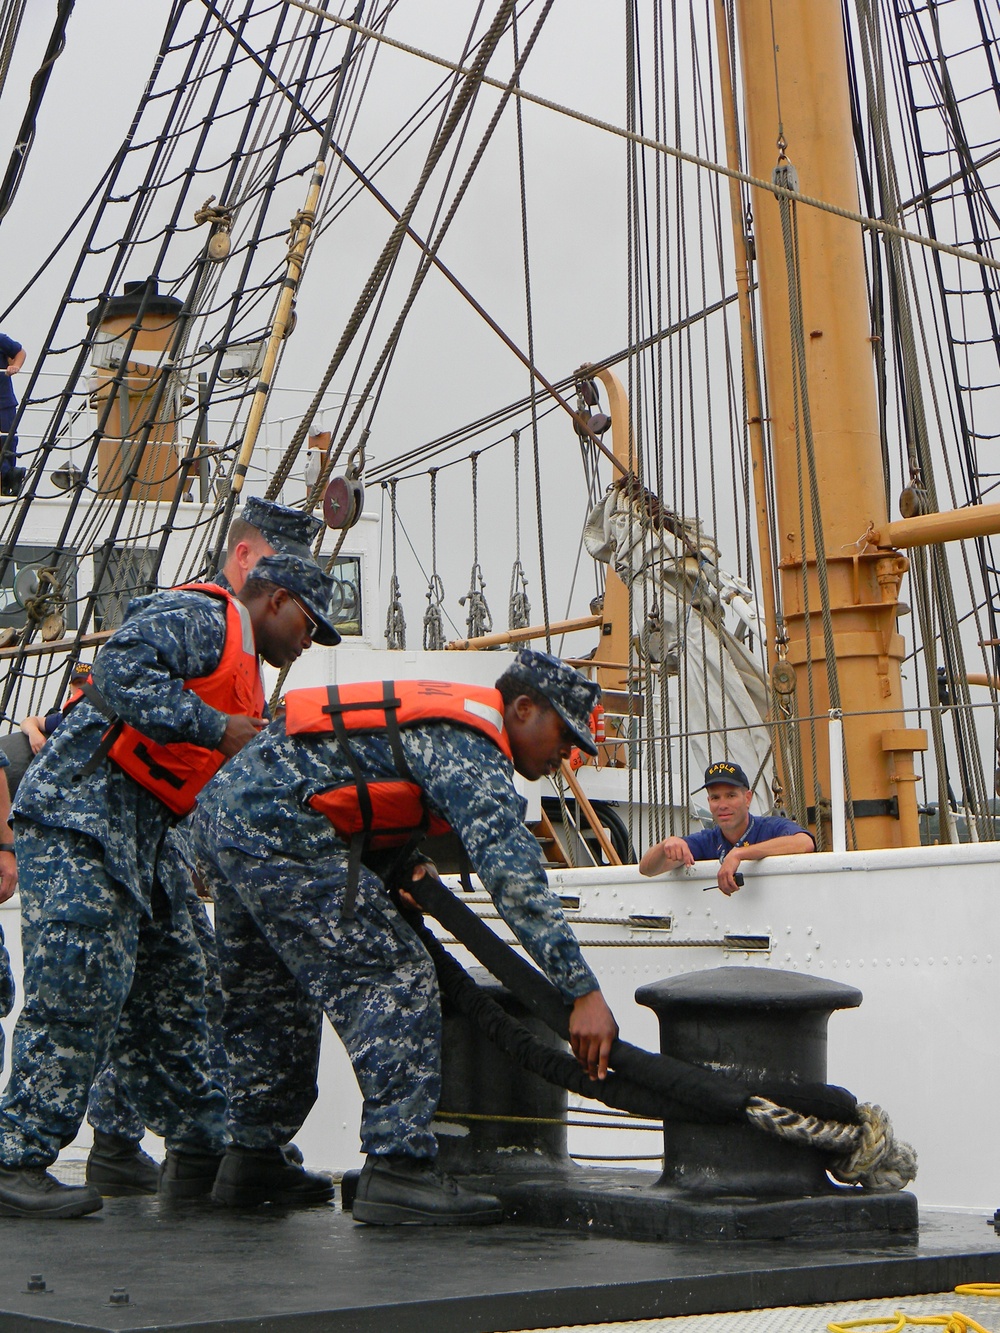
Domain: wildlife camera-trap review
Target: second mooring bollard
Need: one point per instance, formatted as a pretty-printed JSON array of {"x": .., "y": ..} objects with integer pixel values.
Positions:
[{"x": 494, "y": 1114}]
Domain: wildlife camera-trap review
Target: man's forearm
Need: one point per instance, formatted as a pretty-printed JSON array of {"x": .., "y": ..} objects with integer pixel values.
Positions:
[{"x": 789, "y": 844}]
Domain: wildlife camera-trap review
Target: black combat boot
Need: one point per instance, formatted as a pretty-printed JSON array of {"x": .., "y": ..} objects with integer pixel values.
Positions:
[
  {"x": 30, "y": 1191},
  {"x": 11, "y": 481},
  {"x": 118, "y": 1166},
  {"x": 249, "y": 1176},
  {"x": 394, "y": 1191},
  {"x": 187, "y": 1175}
]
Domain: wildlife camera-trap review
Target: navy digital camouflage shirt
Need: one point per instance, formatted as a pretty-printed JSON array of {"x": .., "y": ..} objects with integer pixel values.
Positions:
[
  {"x": 140, "y": 671},
  {"x": 258, "y": 803}
]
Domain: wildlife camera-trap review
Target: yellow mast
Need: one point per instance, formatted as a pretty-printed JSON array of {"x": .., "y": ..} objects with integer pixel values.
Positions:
[{"x": 796, "y": 94}]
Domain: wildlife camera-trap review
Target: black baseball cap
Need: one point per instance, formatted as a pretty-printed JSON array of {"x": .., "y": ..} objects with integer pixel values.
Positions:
[{"x": 724, "y": 771}]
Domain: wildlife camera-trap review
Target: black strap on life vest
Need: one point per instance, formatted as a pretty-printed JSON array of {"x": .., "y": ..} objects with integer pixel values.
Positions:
[
  {"x": 93, "y": 696},
  {"x": 360, "y": 841},
  {"x": 156, "y": 769}
]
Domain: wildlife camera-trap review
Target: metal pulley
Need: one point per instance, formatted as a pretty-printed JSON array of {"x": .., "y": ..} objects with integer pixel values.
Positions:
[
  {"x": 912, "y": 501},
  {"x": 220, "y": 219},
  {"x": 39, "y": 592},
  {"x": 53, "y": 627},
  {"x": 344, "y": 497},
  {"x": 783, "y": 677},
  {"x": 587, "y": 422}
]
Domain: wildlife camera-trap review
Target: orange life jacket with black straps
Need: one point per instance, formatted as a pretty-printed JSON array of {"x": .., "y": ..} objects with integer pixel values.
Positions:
[
  {"x": 177, "y": 771},
  {"x": 386, "y": 814}
]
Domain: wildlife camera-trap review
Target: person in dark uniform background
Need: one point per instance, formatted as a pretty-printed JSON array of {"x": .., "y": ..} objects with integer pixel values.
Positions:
[
  {"x": 737, "y": 836},
  {"x": 112, "y": 965},
  {"x": 261, "y": 528},
  {"x": 287, "y": 927},
  {"x": 11, "y": 361}
]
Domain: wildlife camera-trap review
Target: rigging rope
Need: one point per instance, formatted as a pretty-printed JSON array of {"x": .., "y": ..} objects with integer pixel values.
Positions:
[
  {"x": 769, "y": 187},
  {"x": 11, "y": 15},
  {"x": 395, "y": 623},
  {"x": 518, "y": 606},
  {"x": 523, "y": 610},
  {"x": 478, "y": 620},
  {"x": 26, "y": 132},
  {"x": 434, "y": 635},
  {"x": 804, "y": 438},
  {"x": 471, "y": 79}
]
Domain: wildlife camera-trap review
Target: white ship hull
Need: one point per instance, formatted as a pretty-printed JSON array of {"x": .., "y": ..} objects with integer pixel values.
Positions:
[{"x": 911, "y": 929}]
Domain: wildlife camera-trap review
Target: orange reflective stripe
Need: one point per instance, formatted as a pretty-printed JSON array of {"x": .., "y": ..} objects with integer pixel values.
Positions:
[{"x": 362, "y": 708}]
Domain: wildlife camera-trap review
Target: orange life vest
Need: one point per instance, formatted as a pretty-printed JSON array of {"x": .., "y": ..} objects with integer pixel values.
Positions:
[
  {"x": 388, "y": 813},
  {"x": 176, "y": 772}
]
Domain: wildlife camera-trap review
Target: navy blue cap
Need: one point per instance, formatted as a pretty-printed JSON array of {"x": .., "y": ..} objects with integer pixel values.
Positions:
[
  {"x": 570, "y": 693},
  {"x": 287, "y": 530},
  {"x": 306, "y": 581},
  {"x": 724, "y": 771}
]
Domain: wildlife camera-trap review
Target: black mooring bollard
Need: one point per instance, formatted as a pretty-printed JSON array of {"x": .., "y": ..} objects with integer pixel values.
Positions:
[
  {"x": 757, "y": 1025},
  {"x": 478, "y": 1080}
]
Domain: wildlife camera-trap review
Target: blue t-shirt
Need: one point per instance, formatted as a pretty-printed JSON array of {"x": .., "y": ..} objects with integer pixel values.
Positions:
[
  {"x": 712, "y": 845},
  {"x": 8, "y": 350}
]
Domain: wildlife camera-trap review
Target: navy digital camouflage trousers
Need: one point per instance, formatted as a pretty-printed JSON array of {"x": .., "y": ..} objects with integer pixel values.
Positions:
[
  {"x": 109, "y": 1110},
  {"x": 103, "y": 981},
  {"x": 286, "y": 957},
  {"x": 6, "y": 989}
]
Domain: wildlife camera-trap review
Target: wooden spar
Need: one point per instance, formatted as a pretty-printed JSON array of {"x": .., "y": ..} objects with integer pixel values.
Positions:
[
  {"x": 929, "y": 529},
  {"x": 503, "y": 636},
  {"x": 590, "y": 814},
  {"x": 616, "y": 630},
  {"x": 67, "y": 645},
  {"x": 302, "y": 226},
  {"x": 793, "y": 56}
]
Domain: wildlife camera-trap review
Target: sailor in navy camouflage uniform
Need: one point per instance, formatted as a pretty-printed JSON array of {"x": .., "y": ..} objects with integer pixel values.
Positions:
[
  {"x": 113, "y": 967},
  {"x": 278, "y": 871},
  {"x": 263, "y": 527},
  {"x": 8, "y": 886},
  {"x": 116, "y": 1162}
]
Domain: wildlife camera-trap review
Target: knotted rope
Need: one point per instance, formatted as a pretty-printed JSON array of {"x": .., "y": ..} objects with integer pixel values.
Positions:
[{"x": 868, "y": 1153}]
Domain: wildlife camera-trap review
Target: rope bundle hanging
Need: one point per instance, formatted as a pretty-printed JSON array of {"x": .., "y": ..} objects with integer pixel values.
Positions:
[
  {"x": 518, "y": 606},
  {"x": 434, "y": 639},
  {"x": 395, "y": 621},
  {"x": 478, "y": 619}
]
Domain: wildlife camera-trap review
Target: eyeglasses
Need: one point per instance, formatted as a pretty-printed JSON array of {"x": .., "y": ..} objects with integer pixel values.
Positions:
[{"x": 311, "y": 621}]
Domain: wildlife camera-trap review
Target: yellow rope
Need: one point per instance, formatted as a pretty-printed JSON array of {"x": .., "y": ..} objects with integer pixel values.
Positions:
[{"x": 956, "y": 1322}]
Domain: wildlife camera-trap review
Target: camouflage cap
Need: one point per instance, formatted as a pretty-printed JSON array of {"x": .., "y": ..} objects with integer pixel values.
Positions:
[
  {"x": 726, "y": 772},
  {"x": 287, "y": 530},
  {"x": 304, "y": 579},
  {"x": 571, "y": 694}
]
